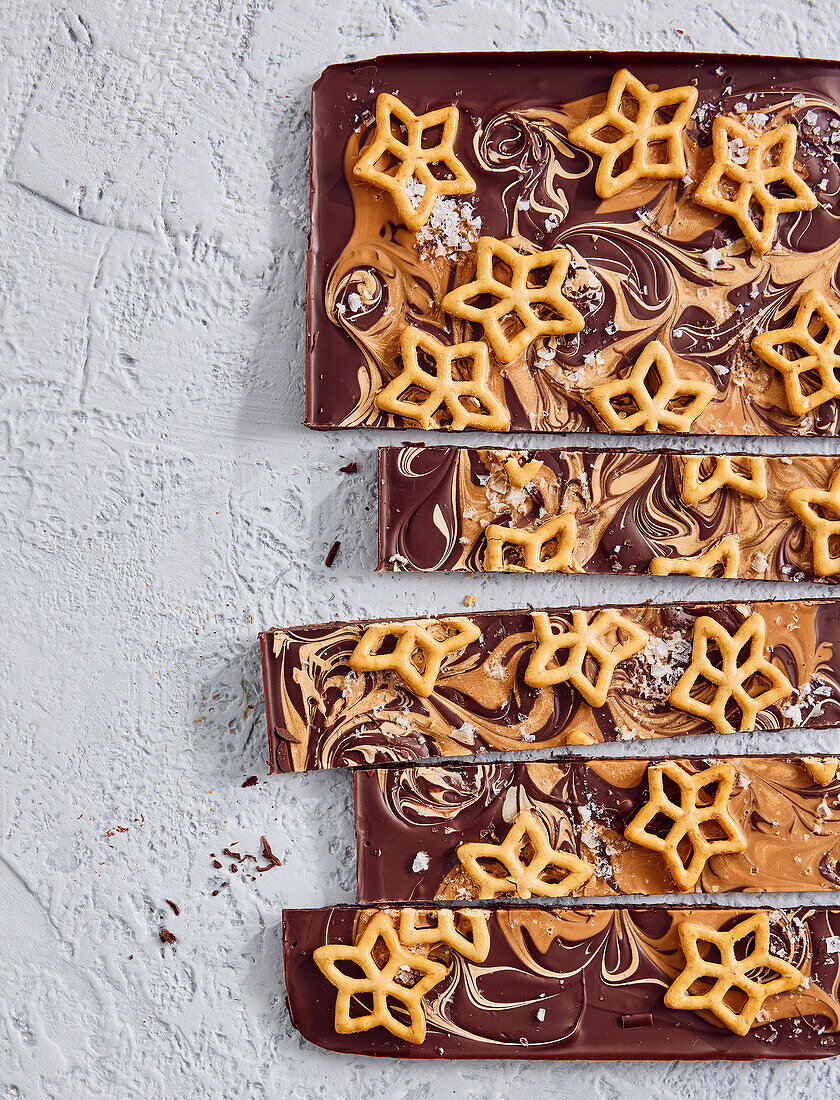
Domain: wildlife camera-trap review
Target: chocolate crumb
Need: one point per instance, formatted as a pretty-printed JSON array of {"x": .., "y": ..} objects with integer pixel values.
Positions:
[
  {"x": 251, "y": 781},
  {"x": 176, "y": 909},
  {"x": 167, "y": 936},
  {"x": 332, "y": 554},
  {"x": 217, "y": 865},
  {"x": 350, "y": 468}
]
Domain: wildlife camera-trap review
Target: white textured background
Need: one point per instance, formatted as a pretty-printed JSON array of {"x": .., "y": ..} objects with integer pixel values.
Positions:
[{"x": 159, "y": 503}]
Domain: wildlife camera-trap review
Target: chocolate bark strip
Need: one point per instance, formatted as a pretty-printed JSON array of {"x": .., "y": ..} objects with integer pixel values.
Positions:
[
  {"x": 621, "y": 242},
  {"x": 597, "y": 828},
  {"x": 448, "y": 508},
  {"x": 526, "y": 982},
  {"x": 389, "y": 691}
]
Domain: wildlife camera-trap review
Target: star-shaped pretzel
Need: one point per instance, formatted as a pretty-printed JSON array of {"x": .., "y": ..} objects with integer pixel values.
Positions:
[
  {"x": 631, "y": 142},
  {"x": 524, "y": 879},
  {"x": 417, "y": 656},
  {"x": 742, "y": 187},
  {"x": 380, "y": 982},
  {"x": 536, "y": 306},
  {"x": 469, "y": 402},
  {"x": 629, "y": 404},
  {"x": 739, "y": 975},
  {"x": 723, "y": 559},
  {"x": 529, "y": 545},
  {"x": 819, "y": 510},
  {"x": 822, "y": 769},
  {"x": 729, "y": 683},
  {"x": 696, "y": 487},
  {"x": 811, "y": 375},
  {"x": 475, "y": 947},
  {"x": 583, "y": 640},
  {"x": 401, "y": 164},
  {"x": 686, "y": 848}
]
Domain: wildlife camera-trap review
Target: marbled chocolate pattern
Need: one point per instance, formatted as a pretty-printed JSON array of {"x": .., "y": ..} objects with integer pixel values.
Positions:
[
  {"x": 436, "y": 502},
  {"x": 790, "y": 822},
  {"x": 596, "y": 973},
  {"x": 322, "y": 714},
  {"x": 643, "y": 266}
]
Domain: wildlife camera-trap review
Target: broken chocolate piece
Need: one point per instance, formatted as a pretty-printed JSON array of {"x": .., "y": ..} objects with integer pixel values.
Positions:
[
  {"x": 752, "y": 823},
  {"x": 527, "y": 680},
  {"x": 676, "y": 210},
  {"x": 568, "y": 983},
  {"x": 447, "y": 508}
]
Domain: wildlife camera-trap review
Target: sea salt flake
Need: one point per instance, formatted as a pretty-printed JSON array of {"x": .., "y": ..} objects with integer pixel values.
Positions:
[
  {"x": 421, "y": 862},
  {"x": 711, "y": 257}
]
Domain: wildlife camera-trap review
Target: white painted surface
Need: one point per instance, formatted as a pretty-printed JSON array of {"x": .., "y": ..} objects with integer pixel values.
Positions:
[{"x": 159, "y": 503}]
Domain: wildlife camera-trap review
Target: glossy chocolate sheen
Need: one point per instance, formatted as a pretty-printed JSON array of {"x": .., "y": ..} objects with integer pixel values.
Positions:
[
  {"x": 435, "y": 504},
  {"x": 322, "y": 714},
  {"x": 410, "y": 822},
  {"x": 649, "y": 255},
  {"x": 596, "y": 974}
]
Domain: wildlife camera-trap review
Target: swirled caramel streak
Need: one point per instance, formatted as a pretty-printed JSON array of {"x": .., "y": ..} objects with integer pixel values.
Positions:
[{"x": 649, "y": 264}]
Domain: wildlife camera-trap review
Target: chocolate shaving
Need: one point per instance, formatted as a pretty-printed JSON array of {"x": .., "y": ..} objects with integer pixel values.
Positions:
[
  {"x": 268, "y": 855},
  {"x": 284, "y": 735},
  {"x": 332, "y": 554},
  {"x": 637, "y": 1019},
  {"x": 176, "y": 909},
  {"x": 167, "y": 937},
  {"x": 251, "y": 781},
  {"x": 350, "y": 468}
]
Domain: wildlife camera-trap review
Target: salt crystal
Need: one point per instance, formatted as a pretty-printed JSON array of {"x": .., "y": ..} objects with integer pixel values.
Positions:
[
  {"x": 421, "y": 862},
  {"x": 541, "y": 1014},
  {"x": 711, "y": 257}
]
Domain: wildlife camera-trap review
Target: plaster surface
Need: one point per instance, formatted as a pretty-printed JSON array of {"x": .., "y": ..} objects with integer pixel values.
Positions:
[{"x": 160, "y": 503}]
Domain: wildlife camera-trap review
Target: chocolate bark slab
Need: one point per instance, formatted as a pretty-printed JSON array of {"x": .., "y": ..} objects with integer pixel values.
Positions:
[
  {"x": 323, "y": 713},
  {"x": 443, "y": 508},
  {"x": 776, "y": 829},
  {"x": 567, "y": 983},
  {"x": 649, "y": 263}
]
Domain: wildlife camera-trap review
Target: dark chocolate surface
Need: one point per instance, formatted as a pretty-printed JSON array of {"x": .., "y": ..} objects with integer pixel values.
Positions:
[
  {"x": 596, "y": 974},
  {"x": 410, "y": 822},
  {"x": 655, "y": 264},
  {"x": 323, "y": 714},
  {"x": 435, "y": 504}
]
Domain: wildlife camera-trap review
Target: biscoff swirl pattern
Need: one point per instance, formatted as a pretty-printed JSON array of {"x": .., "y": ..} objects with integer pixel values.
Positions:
[
  {"x": 647, "y": 264},
  {"x": 322, "y": 713},
  {"x": 629, "y": 509},
  {"x": 789, "y": 822},
  {"x": 571, "y": 983}
]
